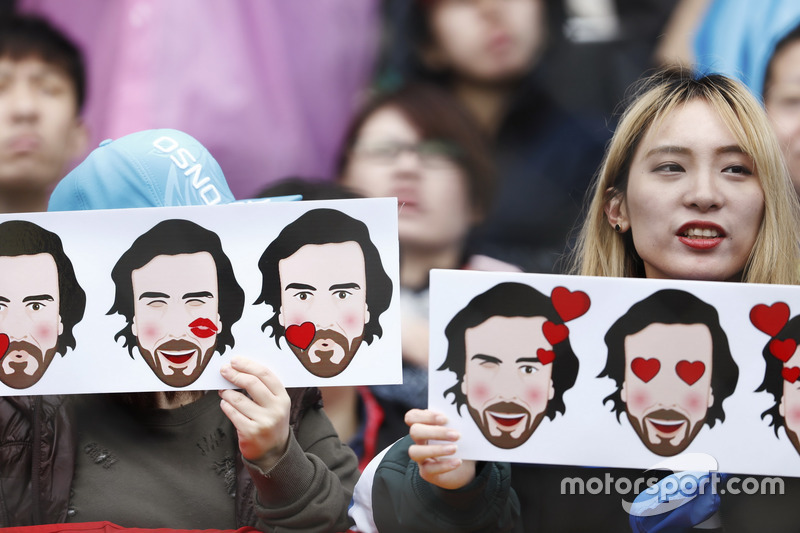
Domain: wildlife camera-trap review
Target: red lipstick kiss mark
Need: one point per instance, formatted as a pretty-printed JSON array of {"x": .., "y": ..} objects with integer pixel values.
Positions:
[
  {"x": 790, "y": 374},
  {"x": 554, "y": 333},
  {"x": 690, "y": 372},
  {"x": 545, "y": 356},
  {"x": 302, "y": 335},
  {"x": 783, "y": 350},
  {"x": 203, "y": 328},
  {"x": 645, "y": 369},
  {"x": 770, "y": 319},
  {"x": 3, "y": 344},
  {"x": 569, "y": 305}
]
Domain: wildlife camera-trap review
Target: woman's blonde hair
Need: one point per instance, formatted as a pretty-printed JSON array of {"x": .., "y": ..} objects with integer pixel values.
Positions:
[{"x": 600, "y": 251}]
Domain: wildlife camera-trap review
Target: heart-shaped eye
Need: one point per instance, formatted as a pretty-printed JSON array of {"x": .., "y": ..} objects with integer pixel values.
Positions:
[
  {"x": 645, "y": 369},
  {"x": 690, "y": 372}
]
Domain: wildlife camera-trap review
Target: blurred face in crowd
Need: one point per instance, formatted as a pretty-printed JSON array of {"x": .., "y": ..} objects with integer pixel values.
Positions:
[
  {"x": 486, "y": 40},
  {"x": 41, "y": 131},
  {"x": 390, "y": 159},
  {"x": 782, "y": 101},
  {"x": 694, "y": 201}
]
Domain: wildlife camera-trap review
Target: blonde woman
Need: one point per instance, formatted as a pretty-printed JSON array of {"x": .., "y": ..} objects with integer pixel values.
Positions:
[{"x": 693, "y": 186}]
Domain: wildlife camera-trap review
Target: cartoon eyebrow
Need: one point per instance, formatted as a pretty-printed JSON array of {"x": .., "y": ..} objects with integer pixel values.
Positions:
[
  {"x": 153, "y": 295},
  {"x": 528, "y": 360},
  {"x": 4, "y": 299},
  {"x": 340, "y": 286},
  {"x": 198, "y": 294},
  {"x": 301, "y": 286},
  {"x": 486, "y": 358},
  {"x": 37, "y": 297}
]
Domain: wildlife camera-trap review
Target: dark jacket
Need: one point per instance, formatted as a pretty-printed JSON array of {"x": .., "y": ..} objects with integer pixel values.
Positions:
[{"x": 38, "y": 440}]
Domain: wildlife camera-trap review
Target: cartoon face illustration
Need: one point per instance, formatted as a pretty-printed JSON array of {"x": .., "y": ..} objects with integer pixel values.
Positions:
[
  {"x": 510, "y": 352},
  {"x": 324, "y": 280},
  {"x": 673, "y": 368},
  {"x": 40, "y": 302},
  {"x": 782, "y": 367},
  {"x": 177, "y": 291},
  {"x": 667, "y": 387},
  {"x": 176, "y": 319},
  {"x": 29, "y": 317},
  {"x": 507, "y": 386},
  {"x": 324, "y": 311}
]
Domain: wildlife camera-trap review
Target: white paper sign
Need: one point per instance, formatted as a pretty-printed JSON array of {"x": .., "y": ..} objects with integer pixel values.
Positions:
[
  {"x": 193, "y": 286},
  {"x": 616, "y": 372}
]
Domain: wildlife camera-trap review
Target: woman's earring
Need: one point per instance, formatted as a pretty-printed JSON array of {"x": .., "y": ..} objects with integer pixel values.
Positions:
[{"x": 617, "y": 228}]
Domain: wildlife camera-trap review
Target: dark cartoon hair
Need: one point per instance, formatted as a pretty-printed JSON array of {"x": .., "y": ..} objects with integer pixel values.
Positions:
[
  {"x": 174, "y": 237},
  {"x": 29, "y": 36},
  {"x": 672, "y": 306},
  {"x": 508, "y": 300},
  {"x": 773, "y": 379},
  {"x": 19, "y": 237},
  {"x": 324, "y": 226}
]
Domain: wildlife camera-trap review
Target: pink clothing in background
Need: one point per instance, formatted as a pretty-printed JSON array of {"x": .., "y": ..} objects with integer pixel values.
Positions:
[{"x": 268, "y": 86}]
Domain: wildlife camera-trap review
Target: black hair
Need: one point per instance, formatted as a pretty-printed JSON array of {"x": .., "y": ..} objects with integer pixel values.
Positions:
[
  {"x": 508, "y": 299},
  {"x": 20, "y": 237},
  {"x": 29, "y": 36},
  {"x": 672, "y": 306},
  {"x": 174, "y": 237}
]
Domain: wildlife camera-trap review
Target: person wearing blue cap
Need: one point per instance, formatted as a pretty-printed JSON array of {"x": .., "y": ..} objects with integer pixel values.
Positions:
[{"x": 266, "y": 457}]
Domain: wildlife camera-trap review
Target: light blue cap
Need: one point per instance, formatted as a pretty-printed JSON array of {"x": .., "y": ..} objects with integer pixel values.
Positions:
[{"x": 152, "y": 168}]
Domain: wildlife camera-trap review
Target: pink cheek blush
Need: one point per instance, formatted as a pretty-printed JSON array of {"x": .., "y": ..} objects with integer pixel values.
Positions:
[
  {"x": 695, "y": 403},
  {"x": 45, "y": 331},
  {"x": 478, "y": 393},
  {"x": 150, "y": 331},
  {"x": 793, "y": 417},
  {"x": 638, "y": 400},
  {"x": 534, "y": 396},
  {"x": 350, "y": 321}
]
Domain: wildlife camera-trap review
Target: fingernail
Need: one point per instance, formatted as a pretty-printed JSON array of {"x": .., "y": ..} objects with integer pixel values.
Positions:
[
  {"x": 450, "y": 449},
  {"x": 441, "y": 419},
  {"x": 453, "y": 435}
]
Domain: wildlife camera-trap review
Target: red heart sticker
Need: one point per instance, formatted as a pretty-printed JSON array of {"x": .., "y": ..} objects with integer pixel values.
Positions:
[
  {"x": 302, "y": 335},
  {"x": 783, "y": 350},
  {"x": 3, "y": 344},
  {"x": 690, "y": 372},
  {"x": 645, "y": 369},
  {"x": 770, "y": 319},
  {"x": 554, "y": 333},
  {"x": 545, "y": 356},
  {"x": 569, "y": 305},
  {"x": 790, "y": 374}
]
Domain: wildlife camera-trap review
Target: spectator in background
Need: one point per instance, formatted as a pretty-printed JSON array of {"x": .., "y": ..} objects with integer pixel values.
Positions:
[
  {"x": 41, "y": 97},
  {"x": 758, "y": 44},
  {"x": 487, "y": 54},
  {"x": 268, "y": 87}
]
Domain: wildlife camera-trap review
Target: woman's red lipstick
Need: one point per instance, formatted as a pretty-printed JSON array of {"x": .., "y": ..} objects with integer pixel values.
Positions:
[
  {"x": 701, "y": 235},
  {"x": 203, "y": 328}
]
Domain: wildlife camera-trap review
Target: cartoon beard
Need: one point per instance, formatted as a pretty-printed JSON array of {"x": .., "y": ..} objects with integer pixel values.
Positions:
[
  {"x": 673, "y": 430},
  {"x": 514, "y": 423},
  {"x": 178, "y": 362},
  {"x": 24, "y": 364},
  {"x": 328, "y": 354}
]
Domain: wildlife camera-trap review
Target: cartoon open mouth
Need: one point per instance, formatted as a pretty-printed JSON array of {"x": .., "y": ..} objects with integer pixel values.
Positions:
[
  {"x": 177, "y": 352},
  {"x": 666, "y": 426},
  {"x": 507, "y": 420}
]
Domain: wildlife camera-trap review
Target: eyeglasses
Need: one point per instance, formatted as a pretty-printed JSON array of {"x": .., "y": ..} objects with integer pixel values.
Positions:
[{"x": 433, "y": 154}]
